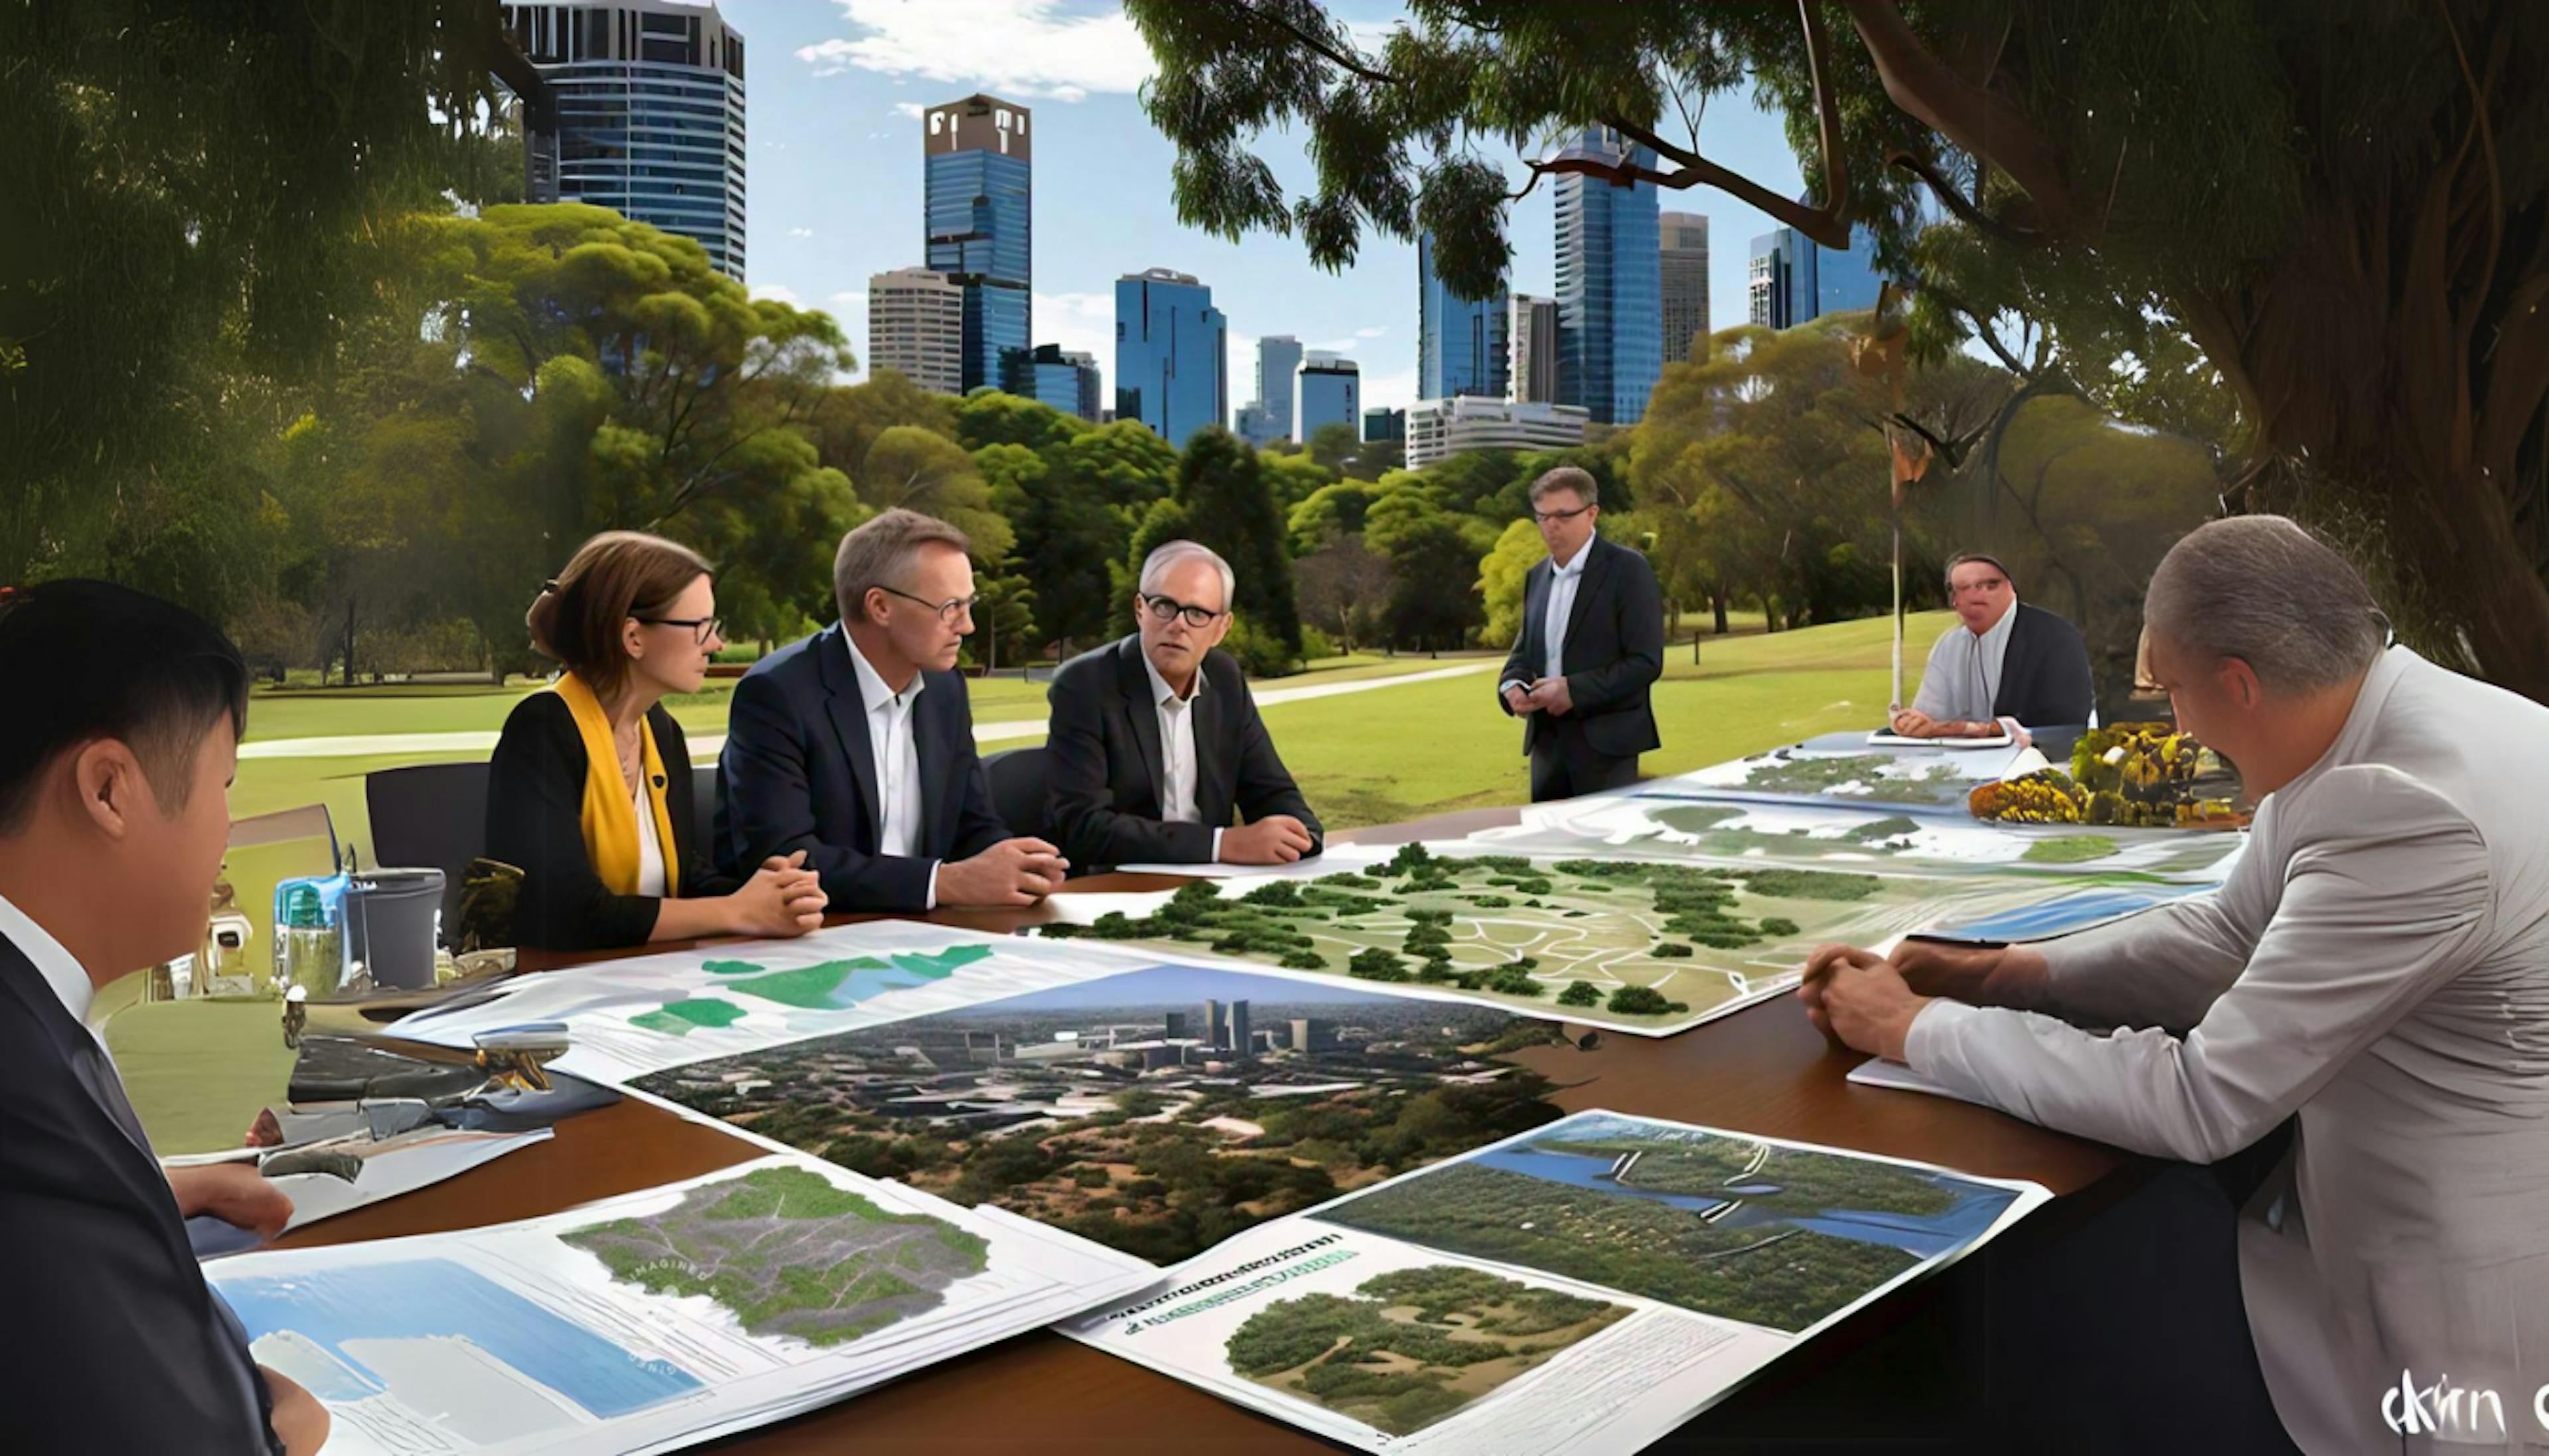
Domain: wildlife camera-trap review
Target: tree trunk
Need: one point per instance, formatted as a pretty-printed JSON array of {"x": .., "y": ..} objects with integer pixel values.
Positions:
[{"x": 1717, "y": 600}]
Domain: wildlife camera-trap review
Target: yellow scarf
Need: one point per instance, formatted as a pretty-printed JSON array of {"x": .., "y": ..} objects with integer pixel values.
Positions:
[{"x": 610, "y": 820}]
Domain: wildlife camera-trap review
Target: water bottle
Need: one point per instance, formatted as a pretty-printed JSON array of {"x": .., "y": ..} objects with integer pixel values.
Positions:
[{"x": 312, "y": 948}]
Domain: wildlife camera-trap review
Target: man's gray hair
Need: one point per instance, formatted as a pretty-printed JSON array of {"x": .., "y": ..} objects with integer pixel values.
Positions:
[
  {"x": 1165, "y": 557},
  {"x": 1968, "y": 558},
  {"x": 881, "y": 551},
  {"x": 1568, "y": 478},
  {"x": 2262, "y": 589}
]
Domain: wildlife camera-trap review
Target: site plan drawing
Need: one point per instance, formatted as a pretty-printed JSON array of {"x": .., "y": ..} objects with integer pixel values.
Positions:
[
  {"x": 1156, "y": 1111},
  {"x": 1629, "y": 945},
  {"x": 651, "y": 1321},
  {"x": 1585, "y": 1287}
]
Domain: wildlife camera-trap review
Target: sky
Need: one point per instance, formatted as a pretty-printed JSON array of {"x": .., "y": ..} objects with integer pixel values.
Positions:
[{"x": 833, "y": 94}]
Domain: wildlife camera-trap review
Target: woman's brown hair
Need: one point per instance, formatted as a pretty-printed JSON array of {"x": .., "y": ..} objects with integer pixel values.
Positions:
[{"x": 615, "y": 576}]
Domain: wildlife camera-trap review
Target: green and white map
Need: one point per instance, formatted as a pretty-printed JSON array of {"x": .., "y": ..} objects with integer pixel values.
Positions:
[
  {"x": 789, "y": 1253},
  {"x": 1637, "y": 945}
]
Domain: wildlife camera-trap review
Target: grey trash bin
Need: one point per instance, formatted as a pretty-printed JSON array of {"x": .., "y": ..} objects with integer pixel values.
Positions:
[{"x": 391, "y": 917}]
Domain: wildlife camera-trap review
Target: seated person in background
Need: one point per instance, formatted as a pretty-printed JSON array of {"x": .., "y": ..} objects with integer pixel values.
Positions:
[
  {"x": 2376, "y": 969},
  {"x": 2006, "y": 660},
  {"x": 855, "y": 747},
  {"x": 589, "y": 792},
  {"x": 1154, "y": 738},
  {"x": 114, "y": 812}
]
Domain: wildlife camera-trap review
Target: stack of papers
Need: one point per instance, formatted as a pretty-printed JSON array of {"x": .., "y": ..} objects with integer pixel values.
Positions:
[{"x": 655, "y": 1321}]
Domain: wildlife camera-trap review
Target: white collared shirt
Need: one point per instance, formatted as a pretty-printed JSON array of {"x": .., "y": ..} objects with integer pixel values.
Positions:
[
  {"x": 1963, "y": 678},
  {"x": 651, "y": 875},
  {"x": 1178, "y": 770},
  {"x": 61, "y": 971},
  {"x": 1564, "y": 578},
  {"x": 897, "y": 759}
]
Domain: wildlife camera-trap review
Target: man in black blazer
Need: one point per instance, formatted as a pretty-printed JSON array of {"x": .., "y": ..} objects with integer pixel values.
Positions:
[
  {"x": 1155, "y": 739},
  {"x": 856, "y": 745},
  {"x": 2004, "y": 659},
  {"x": 1591, "y": 645},
  {"x": 114, "y": 812}
]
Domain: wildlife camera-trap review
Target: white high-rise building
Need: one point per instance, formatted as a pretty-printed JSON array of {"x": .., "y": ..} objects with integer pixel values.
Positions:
[
  {"x": 916, "y": 327},
  {"x": 1535, "y": 349},
  {"x": 1437, "y": 429}
]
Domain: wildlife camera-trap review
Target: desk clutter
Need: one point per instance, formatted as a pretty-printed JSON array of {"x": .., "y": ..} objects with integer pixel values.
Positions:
[{"x": 1287, "y": 1135}]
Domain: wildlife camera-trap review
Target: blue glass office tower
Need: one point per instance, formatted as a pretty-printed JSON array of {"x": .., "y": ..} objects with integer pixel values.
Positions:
[
  {"x": 1278, "y": 358},
  {"x": 1066, "y": 379},
  {"x": 1610, "y": 285},
  {"x": 648, "y": 116},
  {"x": 1461, "y": 344},
  {"x": 1330, "y": 393},
  {"x": 1171, "y": 365},
  {"x": 1792, "y": 279},
  {"x": 979, "y": 160}
]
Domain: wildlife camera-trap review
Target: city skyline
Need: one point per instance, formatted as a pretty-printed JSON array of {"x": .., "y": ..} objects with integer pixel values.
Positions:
[{"x": 838, "y": 88}]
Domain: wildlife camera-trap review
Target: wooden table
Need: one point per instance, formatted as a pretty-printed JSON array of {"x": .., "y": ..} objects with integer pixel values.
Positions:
[{"x": 1762, "y": 1070}]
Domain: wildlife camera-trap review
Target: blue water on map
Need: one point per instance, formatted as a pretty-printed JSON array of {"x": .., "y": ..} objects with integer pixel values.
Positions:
[
  {"x": 1924, "y": 1235},
  {"x": 420, "y": 1299},
  {"x": 2063, "y": 913}
]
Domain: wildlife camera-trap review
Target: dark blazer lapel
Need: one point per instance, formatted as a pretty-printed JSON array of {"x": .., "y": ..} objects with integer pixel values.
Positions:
[
  {"x": 848, "y": 710},
  {"x": 933, "y": 732},
  {"x": 83, "y": 1057},
  {"x": 1535, "y": 614},
  {"x": 1143, "y": 715},
  {"x": 1213, "y": 712}
]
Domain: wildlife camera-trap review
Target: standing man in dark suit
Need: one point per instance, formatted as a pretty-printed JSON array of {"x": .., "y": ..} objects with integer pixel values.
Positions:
[
  {"x": 1155, "y": 739},
  {"x": 2003, "y": 659},
  {"x": 1591, "y": 645},
  {"x": 856, "y": 745},
  {"x": 114, "y": 811}
]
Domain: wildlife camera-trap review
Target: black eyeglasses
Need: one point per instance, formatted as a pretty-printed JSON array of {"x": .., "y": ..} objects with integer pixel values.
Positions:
[
  {"x": 1168, "y": 609},
  {"x": 948, "y": 610},
  {"x": 1544, "y": 518},
  {"x": 703, "y": 629}
]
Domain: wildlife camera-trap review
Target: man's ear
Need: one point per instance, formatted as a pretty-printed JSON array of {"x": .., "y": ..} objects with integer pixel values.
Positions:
[
  {"x": 113, "y": 792},
  {"x": 2241, "y": 681}
]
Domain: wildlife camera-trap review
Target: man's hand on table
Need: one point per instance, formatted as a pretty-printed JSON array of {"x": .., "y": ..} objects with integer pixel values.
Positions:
[
  {"x": 1858, "y": 1000},
  {"x": 235, "y": 1193},
  {"x": 1277, "y": 839},
  {"x": 1015, "y": 872}
]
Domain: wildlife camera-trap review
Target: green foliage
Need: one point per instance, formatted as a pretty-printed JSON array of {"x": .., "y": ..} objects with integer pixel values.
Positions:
[
  {"x": 912, "y": 469},
  {"x": 1227, "y": 505},
  {"x": 1642, "y": 1001},
  {"x": 1580, "y": 993},
  {"x": 1500, "y": 580},
  {"x": 1433, "y": 555}
]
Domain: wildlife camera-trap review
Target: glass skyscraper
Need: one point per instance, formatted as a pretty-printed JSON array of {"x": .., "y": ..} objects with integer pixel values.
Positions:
[
  {"x": 978, "y": 157},
  {"x": 1461, "y": 343},
  {"x": 1793, "y": 280},
  {"x": 1330, "y": 393},
  {"x": 1278, "y": 358},
  {"x": 1610, "y": 285},
  {"x": 1171, "y": 354},
  {"x": 648, "y": 102},
  {"x": 1064, "y": 379}
]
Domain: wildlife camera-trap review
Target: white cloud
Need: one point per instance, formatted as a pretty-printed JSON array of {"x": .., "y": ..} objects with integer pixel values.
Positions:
[
  {"x": 912, "y": 109},
  {"x": 1026, "y": 48},
  {"x": 779, "y": 291},
  {"x": 1395, "y": 390},
  {"x": 1373, "y": 331},
  {"x": 800, "y": 232}
]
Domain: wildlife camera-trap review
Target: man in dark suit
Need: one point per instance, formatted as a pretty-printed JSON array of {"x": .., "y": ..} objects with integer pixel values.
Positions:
[
  {"x": 1155, "y": 739},
  {"x": 2004, "y": 659},
  {"x": 114, "y": 812},
  {"x": 1591, "y": 645},
  {"x": 856, "y": 745}
]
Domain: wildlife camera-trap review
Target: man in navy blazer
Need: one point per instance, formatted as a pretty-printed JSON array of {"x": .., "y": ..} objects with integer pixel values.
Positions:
[
  {"x": 114, "y": 812},
  {"x": 856, "y": 745},
  {"x": 1591, "y": 645}
]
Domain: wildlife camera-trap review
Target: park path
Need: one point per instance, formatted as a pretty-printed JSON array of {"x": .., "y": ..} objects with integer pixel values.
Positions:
[{"x": 480, "y": 742}]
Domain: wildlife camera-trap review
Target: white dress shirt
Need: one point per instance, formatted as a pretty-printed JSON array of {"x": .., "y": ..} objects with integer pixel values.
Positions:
[
  {"x": 650, "y": 850},
  {"x": 2378, "y": 963},
  {"x": 898, "y": 760},
  {"x": 69, "y": 983},
  {"x": 1964, "y": 673},
  {"x": 1178, "y": 750},
  {"x": 1564, "y": 578}
]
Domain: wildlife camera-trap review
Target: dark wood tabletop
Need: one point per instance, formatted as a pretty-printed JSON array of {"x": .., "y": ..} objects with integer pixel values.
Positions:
[{"x": 1762, "y": 1071}]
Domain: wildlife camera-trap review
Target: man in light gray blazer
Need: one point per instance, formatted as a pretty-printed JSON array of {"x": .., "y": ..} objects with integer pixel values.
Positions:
[{"x": 2376, "y": 969}]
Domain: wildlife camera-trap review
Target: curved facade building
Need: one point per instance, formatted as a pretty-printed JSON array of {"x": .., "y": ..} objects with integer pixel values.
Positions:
[
  {"x": 648, "y": 101},
  {"x": 1610, "y": 285}
]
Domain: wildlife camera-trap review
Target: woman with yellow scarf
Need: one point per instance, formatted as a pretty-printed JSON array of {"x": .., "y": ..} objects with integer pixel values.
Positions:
[{"x": 589, "y": 792}]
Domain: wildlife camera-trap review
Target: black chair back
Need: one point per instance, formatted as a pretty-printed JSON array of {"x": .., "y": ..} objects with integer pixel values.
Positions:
[
  {"x": 1019, "y": 788},
  {"x": 704, "y": 787},
  {"x": 430, "y": 815}
]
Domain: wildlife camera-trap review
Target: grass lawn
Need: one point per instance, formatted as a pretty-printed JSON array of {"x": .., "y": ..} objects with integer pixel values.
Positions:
[{"x": 197, "y": 1071}]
